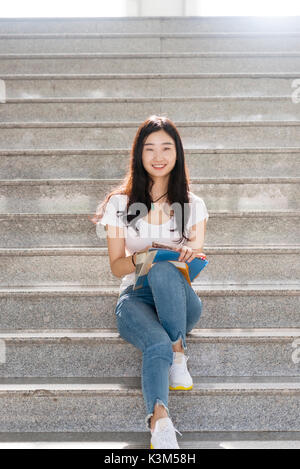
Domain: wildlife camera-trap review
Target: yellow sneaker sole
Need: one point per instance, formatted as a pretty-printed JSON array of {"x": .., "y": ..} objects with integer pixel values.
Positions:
[{"x": 181, "y": 388}]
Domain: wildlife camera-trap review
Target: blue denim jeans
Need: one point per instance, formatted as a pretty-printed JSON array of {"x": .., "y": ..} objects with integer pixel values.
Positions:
[{"x": 153, "y": 318}]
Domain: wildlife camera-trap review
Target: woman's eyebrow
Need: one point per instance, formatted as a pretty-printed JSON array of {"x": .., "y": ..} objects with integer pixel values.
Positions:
[{"x": 165, "y": 143}]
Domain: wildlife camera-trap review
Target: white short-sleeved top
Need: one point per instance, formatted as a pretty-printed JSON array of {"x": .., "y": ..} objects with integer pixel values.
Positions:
[{"x": 148, "y": 232}]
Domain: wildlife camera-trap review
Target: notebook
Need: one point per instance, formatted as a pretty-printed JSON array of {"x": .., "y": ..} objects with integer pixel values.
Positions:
[{"x": 162, "y": 252}]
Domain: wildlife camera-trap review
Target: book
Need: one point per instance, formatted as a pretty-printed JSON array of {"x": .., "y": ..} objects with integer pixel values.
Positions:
[{"x": 163, "y": 252}]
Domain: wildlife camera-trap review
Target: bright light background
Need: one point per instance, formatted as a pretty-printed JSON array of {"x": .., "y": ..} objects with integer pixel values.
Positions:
[
  {"x": 61, "y": 8},
  {"x": 249, "y": 8},
  {"x": 111, "y": 8}
]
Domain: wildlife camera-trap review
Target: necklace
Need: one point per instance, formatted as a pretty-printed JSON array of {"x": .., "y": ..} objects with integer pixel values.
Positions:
[{"x": 153, "y": 201}]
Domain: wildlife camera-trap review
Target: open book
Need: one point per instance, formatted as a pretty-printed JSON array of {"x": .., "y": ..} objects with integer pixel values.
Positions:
[{"x": 162, "y": 252}]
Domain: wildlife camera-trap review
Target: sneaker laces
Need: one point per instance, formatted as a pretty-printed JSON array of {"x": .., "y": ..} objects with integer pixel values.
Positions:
[
  {"x": 164, "y": 432},
  {"x": 168, "y": 426},
  {"x": 177, "y": 431}
]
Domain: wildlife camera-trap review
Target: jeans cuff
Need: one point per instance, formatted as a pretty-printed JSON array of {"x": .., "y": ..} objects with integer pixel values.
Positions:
[
  {"x": 182, "y": 337},
  {"x": 147, "y": 419}
]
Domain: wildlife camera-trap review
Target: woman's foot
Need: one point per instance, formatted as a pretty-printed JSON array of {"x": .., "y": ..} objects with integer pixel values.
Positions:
[
  {"x": 159, "y": 412},
  {"x": 164, "y": 435},
  {"x": 179, "y": 376}
]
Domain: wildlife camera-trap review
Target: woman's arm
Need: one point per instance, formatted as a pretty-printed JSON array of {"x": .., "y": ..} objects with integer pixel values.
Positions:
[
  {"x": 197, "y": 235},
  {"x": 120, "y": 264},
  {"x": 193, "y": 248}
]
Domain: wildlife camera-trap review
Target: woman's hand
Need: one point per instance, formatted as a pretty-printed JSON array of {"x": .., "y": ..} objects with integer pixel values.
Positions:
[{"x": 187, "y": 254}]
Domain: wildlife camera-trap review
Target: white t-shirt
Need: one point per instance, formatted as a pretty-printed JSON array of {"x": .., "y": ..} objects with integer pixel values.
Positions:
[{"x": 149, "y": 232}]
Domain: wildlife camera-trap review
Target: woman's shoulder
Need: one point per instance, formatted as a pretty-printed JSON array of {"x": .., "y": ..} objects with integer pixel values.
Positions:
[
  {"x": 119, "y": 196},
  {"x": 193, "y": 198},
  {"x": 118, "y": 199},
  {"x": 198, "y": 208}
]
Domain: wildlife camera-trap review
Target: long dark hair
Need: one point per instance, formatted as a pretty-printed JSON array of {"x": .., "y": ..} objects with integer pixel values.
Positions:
[{"x": 137, "y": 183}]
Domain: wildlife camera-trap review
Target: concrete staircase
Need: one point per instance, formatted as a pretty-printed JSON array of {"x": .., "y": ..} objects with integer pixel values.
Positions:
[{"x": 76, "y": 92}]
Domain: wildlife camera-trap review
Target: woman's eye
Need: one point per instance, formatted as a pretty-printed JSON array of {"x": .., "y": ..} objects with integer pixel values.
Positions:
[{"x": 150, "y": 149}]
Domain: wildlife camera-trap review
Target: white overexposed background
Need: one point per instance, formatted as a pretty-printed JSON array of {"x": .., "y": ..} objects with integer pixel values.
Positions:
[
  {"x": 114, "y": 8},
  {"x": 250, "y": 8}
]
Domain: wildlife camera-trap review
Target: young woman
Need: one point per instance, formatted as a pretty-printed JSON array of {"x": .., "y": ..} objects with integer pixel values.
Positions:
[{"x": 156, "y": 318}]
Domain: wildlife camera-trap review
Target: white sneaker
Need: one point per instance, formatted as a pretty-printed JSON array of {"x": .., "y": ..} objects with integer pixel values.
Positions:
[
  {"x": 179, "y": 376},
  {"x": 163, "y": 435}
]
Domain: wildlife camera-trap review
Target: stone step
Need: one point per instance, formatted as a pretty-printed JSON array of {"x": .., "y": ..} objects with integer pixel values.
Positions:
[
  {"x": 90, "y": 266},
  {"x": 181, "y": 108},
  {"x": 162, "y": 62},
  {"x": 96, "y": 353},
  {"x": 151, "y": 24},
  {"x": 84, "y": 195},
  {"x": 148, "y": 85},
  {"x": 149, "y": 42},
  {"x": 95, "y": 164},
  {"x": 232, "y": 404},
  {"x": 19, "y": 230},
  {"x": 108, "y": 135},
  {"x": 224, "y": 306},
  {"x": 141, "y": 440}
]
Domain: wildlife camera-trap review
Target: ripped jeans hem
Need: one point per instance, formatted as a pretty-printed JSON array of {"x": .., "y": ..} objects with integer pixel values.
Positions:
[
  {"x": 182, "y": 337},
  {"x": 147, "y": 419}
]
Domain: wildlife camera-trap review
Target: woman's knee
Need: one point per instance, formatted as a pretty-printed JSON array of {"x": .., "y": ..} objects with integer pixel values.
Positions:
[
  {"x": 193, "y": 315},
  {"x": 161, "y": 271}
]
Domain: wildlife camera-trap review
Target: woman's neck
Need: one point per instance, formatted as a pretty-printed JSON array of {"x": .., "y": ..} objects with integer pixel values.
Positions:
[{"x": 158, "y": 192}]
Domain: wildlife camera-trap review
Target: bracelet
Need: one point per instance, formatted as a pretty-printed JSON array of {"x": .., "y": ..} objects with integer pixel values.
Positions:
[{"x": 132, "y": 259}]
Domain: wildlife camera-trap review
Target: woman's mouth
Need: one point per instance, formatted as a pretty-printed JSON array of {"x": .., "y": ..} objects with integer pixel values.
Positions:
[{"x": 159, "y": 166}]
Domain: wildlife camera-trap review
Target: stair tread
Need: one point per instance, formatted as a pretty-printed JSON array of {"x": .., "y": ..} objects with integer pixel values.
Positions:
[
  {"x": 213, "y": 289},
  {"x": 50, "y": 251},
  {"x": 118, "y": 151},
  {"x": 240, "y": 180},
  {"x": 252, "y": 214},
  {"x": 141, "y": 440},
  {"x": 134, "y": 55},
  {"x": 125, "y": 385},
  {"x": 82, "y": 76},
  {"x": 133, "y": 124},
  {"x": 108, "y": 334},
  {"x": 64, "y": 35},
  {"x": 132, "y": 99}
]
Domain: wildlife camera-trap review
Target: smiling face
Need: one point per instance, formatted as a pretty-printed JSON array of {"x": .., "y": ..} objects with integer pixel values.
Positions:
[{"x": 159, "y": 149}]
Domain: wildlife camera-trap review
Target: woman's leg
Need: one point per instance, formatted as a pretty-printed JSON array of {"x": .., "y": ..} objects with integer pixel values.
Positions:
[
  {"x": 178, "y": 306},
  {"x": 138, "y": 324}
]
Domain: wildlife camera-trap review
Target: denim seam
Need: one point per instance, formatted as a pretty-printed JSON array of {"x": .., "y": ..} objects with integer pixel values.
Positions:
[
  {"x": 146, "y": 387},
  {"x": 183, "y": 290},
  {"x": 183, "y": 283}
]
